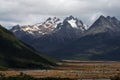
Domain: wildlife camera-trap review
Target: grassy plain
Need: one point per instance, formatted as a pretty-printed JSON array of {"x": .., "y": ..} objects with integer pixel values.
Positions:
[{"x": 75, "y": 70}]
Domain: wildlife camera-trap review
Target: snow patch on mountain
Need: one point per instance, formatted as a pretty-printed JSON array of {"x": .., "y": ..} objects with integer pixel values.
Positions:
[
  {"x": 72, "y": 22},
  {"x": 30, "y": 28},
  {"x": 52, "y": 25},
  {"x": 85, "y": 26}
]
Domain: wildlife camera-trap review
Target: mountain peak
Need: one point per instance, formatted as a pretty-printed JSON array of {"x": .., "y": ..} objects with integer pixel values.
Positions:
[
  {"x": 105, "y": 25},
  {"x": 53, "y": 25},
  {"x": 70, "y": 17},
  {"x": 73, "y": 22},
  {"x": 108, "y": 17},
  {"x": 15, "y": 28},
  {"x": 112, "y": 18},
  {"x": 102, "y": 18},
  {"x": 52, "y": 20},
  {"x": 49, "y": 18},
  {"x": 115, "y": 20}
]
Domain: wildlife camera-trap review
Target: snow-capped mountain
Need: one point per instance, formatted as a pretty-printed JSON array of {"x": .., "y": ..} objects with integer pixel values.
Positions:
[
  {"x": 69, "y": 27},
  {"x": 53, "y": 32},
  {"x": 75, "y": 23},
  {"x": 70, "y": 37},
  {"x": 38, "y": 29},
  {"x": 50, "y": 26},
  {"x": 100, "y": 42}
]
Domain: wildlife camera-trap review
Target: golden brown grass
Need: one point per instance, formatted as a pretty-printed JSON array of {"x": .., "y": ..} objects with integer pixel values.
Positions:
[{"x": 75, "y": 70}]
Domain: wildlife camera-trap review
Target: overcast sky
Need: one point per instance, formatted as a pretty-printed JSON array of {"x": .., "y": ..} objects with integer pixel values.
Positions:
[{"x": 25, "y": 12}]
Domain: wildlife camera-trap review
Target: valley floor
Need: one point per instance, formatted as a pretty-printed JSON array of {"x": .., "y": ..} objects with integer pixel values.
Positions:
[{"x": 75, "y": 70}]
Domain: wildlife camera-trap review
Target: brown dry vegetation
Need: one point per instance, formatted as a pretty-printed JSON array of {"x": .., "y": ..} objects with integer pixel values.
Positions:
[{"x": 76, "y": 70}]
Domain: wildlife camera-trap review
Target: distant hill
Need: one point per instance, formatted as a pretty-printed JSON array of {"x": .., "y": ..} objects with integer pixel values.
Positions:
[{"x": 16, "y": 54}]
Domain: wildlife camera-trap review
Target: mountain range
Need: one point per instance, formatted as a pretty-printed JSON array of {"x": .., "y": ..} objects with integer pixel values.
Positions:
[
  {"x": 51, "y": 34},
  {"x": 16, "y": 54},
  {"x": 72, "y": 39}
]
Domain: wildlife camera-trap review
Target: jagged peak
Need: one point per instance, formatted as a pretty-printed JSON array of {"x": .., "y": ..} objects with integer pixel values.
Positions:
[
  {"x": 51, "y": 24},
  {"x": 16, "y": 26},
  {"x": 114, "y": 18},
  {"x": 70, "y": 17},
  {"x": 101, "y": 20},
  {"x": 108, "y": 17},
  {"x": 53, "y": 18},
  {"x": 74, "y": 19},
  {"x": 101, "y": 17},
  {"x": 105, "y": 24}
]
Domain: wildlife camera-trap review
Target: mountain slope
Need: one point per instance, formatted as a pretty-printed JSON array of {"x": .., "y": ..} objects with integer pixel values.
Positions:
[
  {"x": 16, "y": 54},
  {"x": 92, "y": 47},
  {"x": 71, "y": 39},
  {"x": 105, "y": 25},
  {"x": 100, "y": 42},
  {"x": 51, "y": 34}
]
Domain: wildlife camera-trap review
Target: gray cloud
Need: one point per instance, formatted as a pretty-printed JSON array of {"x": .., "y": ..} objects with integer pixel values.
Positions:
[{"x": 34, "y": 11}]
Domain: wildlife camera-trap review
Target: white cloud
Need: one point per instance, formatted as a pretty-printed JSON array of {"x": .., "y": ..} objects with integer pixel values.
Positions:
[{"x": 34, "y": 11}]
